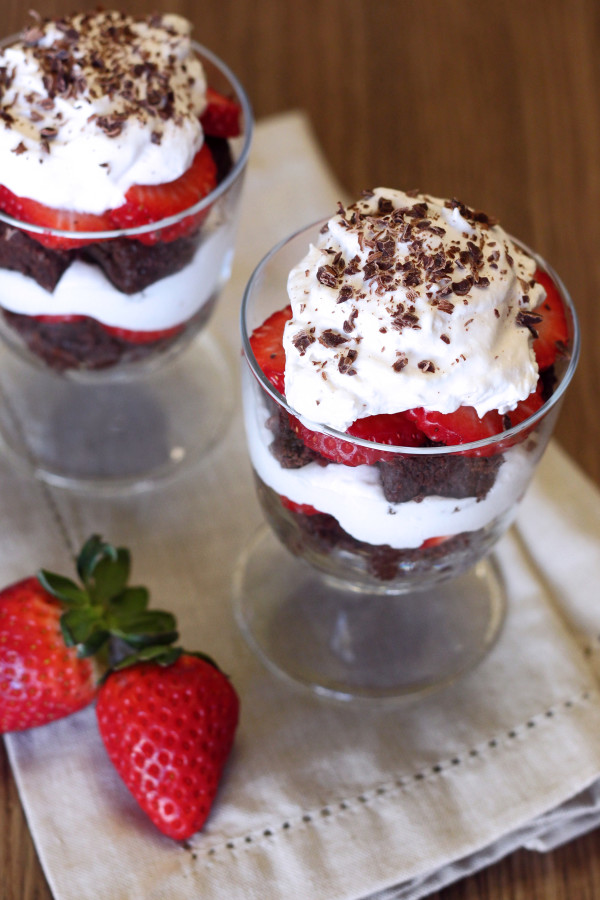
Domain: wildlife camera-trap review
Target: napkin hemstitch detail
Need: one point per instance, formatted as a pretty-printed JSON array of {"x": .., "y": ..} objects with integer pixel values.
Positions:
[{"x": 391, "y": 788}]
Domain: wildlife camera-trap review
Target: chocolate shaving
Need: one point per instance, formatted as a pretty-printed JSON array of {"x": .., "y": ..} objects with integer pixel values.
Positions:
[
  {"x": 400, "y": 363},
  {"x": 327, "y": 275},
  {"x": 529, "y": 320},
  {"x": 346, "y": 360},
  {"x": 332, "y": 338},
  {"x": 302, "y": 341}
]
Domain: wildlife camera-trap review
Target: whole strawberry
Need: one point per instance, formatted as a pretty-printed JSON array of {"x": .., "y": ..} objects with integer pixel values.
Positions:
[
  {"x": 50, "y": 626},
  {"x": 168, "y": 723},
  {"x": 41, "y": 679}
]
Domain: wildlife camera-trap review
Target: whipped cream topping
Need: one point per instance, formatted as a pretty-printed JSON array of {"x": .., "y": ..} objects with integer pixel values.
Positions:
[
  {"x": 409, "y": 301},
  {"x": 93, "y": 103}
]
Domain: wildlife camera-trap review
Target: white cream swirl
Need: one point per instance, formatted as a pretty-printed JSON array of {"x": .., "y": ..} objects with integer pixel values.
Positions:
[
  {"x": 409, "y": 301},
  {"x": 94, "y": 103}
]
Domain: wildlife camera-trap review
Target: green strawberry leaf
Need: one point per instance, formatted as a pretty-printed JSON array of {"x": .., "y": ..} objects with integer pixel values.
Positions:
[
  {"x": 80, "y": 623},
  {"x": 164, "y": 656},
  {"x": 110, "y": 575},
  {"x": 129, "y": 601},
  {"x": 63, "y": 588},
  {"x": 144, "y": 628},
  {"x": 91, "y": 553},
  {"x": 95, "y": 641}
]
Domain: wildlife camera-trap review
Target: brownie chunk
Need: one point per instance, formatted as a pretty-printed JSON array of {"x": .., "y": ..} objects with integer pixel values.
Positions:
[
  {"x": 287, "y": 448},
  {"x": 22, "y": 253},
  {"x": 414, "y": 477},
  {"x": 82, "y": 343},
  {"x": 132, "y": 266}
]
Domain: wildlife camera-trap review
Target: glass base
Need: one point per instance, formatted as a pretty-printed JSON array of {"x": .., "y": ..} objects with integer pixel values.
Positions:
[
  {"x": 349, "y": 644},
  {"x": 115, "y": 436}
]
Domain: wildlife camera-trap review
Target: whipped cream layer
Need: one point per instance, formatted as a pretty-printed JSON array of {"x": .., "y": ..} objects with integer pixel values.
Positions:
[
  {"x": 354, "y": 495},
  {"x": 94, "y": 103},
  {"x": 409, "y": 301}
]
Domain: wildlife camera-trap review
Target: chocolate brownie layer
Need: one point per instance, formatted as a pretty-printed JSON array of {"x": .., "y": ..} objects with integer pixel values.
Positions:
[
  {"x": 73, "y": 345},
  {"x": 320, "y": 535},
  {"x": 287, "y": 448},
  {"x": 132, "y": 266},
  {"x": 24, "y": 254},
  {"x": 447, "y": 475},
  {"x": 85, "y": 344}
]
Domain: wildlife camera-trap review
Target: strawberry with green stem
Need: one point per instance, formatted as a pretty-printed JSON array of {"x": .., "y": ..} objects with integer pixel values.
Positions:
[
  {"x": 51, "y": 627},
  {"x": 166, "y": 716},
  {"x": 168, "y": 719},
  {"x": 41, "y": 678}
]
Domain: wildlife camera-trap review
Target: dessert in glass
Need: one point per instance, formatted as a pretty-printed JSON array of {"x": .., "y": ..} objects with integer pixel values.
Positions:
[
  {"x": 123, "y": 148},
  {"x": 398, "y": 398}
]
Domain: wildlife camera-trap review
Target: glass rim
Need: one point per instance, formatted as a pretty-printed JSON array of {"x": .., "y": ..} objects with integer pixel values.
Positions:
[
  {"x": 200, "y": 206},
  {"x": 437, "y": 450}
]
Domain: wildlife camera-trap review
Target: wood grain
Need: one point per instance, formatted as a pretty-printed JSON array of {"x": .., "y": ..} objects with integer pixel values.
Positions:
[{"x": 493, "y": 101}]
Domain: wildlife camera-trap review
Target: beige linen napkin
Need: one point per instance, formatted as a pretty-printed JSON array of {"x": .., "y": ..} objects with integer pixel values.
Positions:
[{"x": 320, "y": 801}]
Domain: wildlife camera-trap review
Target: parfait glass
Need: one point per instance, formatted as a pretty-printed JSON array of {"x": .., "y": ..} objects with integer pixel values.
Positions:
[
  {"x": 375, "y": 581},
  {"x": 114, "y": 385}
]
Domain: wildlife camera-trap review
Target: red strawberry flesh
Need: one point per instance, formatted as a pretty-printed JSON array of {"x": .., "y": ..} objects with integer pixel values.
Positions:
[
  {"x": 552, "y": 331},
  {"x": 267, "y": 345},
  {"x": 151, "y": 203},
  {"x": 221, "y": 118},
  {"x": 41, "y": 679},
  {"x": 168, "y": 730}
]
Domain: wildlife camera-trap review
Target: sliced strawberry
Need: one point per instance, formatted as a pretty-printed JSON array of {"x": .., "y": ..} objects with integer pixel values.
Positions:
[
  {"x": 529, "y": 406},
  {"x": 304, "y": 508},
  {"x": 459, "y": 427},
  {"x": 434, "y": 542},
  {"x": 523, "y": 410},
  {"x": 27, "y": 210},
  {"x": 153, "y": 202},
  {"x": 221, "y": 118},
  {"x": 267, "y": 345},
  {"x": 552, "y": 331},
  {"x": 395, "y": 429},
  {"x": 143, "y": 337},
  {"x": 59, "y": 320}
]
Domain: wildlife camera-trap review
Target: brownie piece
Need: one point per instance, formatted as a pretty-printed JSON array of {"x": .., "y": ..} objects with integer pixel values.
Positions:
[
  {"x": 80, "y": 344},
  {"x": 24, "y": 254},
  {"x": 287, "y": 448},
  {"x": 132, "y": 266},
  {"x": 319, "y": 535},
  {"x": 449, "y": 475}
]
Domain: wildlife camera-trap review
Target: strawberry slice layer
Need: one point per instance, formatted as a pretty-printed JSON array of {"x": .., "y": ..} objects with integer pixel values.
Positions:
[
  {"x": 27, "y": 210},
  {"x": 306, "y": 509},
  {"x": 552, "y": 332},
  {"x": 122, "y": 334},
  {"x": 151, "y": 203},
  {"x": 395, "y": 429},
  {"x": 221, "y": 118},
  {"x": 459, "y": 427},
  {"x": 267, "y": 345},
  {"x": 143, "y": 337}
]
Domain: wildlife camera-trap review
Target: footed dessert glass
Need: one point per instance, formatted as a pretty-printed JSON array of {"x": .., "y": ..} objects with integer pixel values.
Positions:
[
  {"x": 374, "y": 580},
  {"x": 122, "y": 401}
]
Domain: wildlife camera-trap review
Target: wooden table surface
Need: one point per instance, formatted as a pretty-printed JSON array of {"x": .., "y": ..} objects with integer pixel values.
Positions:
[{"x": 496, "y": 102}]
